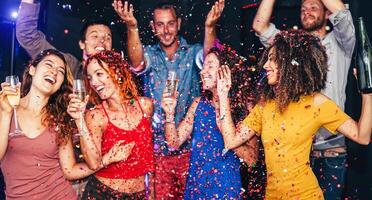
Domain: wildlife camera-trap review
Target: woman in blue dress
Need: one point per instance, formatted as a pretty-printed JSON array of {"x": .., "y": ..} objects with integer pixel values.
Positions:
[{"x": 213, "y": 173}]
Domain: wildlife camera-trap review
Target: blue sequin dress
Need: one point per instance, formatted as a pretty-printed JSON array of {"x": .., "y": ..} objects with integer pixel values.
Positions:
[{"x": 211, "y": 175}]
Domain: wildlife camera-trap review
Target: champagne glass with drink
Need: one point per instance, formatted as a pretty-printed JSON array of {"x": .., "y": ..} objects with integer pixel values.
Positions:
[
  {"x": 171, "y": 84},
  {"x": 80, "y": 91},
  {"x": 14, "y": 102}
]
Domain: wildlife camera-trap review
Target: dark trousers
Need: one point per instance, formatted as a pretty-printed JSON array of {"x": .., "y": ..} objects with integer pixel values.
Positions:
[{"x": 96, "y": 190}]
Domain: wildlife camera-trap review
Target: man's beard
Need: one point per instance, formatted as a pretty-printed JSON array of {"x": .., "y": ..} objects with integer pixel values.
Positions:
[{"x": 314, "y": 26}]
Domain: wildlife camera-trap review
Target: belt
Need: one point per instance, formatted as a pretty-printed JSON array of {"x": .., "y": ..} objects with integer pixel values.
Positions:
[{"x": 326, "y": 154}]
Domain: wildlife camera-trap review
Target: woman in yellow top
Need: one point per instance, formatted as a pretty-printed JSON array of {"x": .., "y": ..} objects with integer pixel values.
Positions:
[{"x": 290, "y": 111}]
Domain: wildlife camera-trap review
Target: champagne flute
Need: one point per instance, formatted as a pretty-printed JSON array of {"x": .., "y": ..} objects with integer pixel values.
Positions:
[
  {"x": 14, "y": 102},
  {"x": 171, "y": 85},
  {"x": 80, "y": 91}
]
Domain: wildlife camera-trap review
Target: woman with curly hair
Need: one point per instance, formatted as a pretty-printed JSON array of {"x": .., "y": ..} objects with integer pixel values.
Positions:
[
  {"x": 213, "y": 173},
  {"x": 34, "y": 163},
  {"x": 291, "y": 110},
  {"x": 120, "y": 116}
]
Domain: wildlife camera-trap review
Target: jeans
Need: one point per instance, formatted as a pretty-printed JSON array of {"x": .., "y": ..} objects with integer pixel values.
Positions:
[{"x": 330, "y": 172}]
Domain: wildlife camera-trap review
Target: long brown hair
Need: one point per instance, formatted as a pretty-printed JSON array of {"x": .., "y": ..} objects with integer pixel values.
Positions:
[
  {"x": 302, "y": 66},
  {"x": 118, "y": 70},
  {"x": 55, "y": 114}
]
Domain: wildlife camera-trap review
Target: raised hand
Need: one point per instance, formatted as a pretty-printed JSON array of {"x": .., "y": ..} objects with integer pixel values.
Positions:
[
  {"x": 76, "y": 106},
  {"x": 6, "y": 89},
  {"x": 125, "y": 12},
  {"x": 120, "y": 152},
  {"x": 168, "y": 103},
  {"x": 223, "y": 81},
  {"x": 215, "y": 13}
]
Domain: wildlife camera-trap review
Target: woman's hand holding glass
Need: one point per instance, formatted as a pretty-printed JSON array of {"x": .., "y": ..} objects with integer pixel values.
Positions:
[
  {"x": 169, "y": 103},
  {"x": 5, "y": 106},
  {"x": 12, "y": 90},
  {"x": 76, "y": 109}
]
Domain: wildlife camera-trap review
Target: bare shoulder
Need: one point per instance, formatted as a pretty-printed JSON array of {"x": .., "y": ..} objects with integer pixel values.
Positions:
[
  {"x": 96, "y": 120},
  {"x": 147, "y": 105},
  {"x": 145, "y": 101},
  {"x": 320, "y": 98},
  {"x": 95, "y": 114}
]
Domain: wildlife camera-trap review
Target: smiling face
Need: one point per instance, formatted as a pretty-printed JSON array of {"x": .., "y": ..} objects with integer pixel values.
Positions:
[
  {"x": 271, "y": 67},
  {"x": 210, "y": 72},
  {"x": 100, "y": 80},
  {"x": 313, "y": 15},
  {"x": 48, "y": 75},
  {"x": 97, "y": 38},
  {"x": 166, "y": 26}
]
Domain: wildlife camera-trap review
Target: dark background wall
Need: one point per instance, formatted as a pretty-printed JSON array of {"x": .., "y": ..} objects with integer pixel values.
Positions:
[{"x": 61, "y": 21}]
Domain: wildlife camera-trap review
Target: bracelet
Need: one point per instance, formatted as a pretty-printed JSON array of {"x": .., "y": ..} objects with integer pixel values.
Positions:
[
  {"x": 169, "y": 121},
  {"x": 169, "y": 118},
  {"x": 222, "y": 117}
]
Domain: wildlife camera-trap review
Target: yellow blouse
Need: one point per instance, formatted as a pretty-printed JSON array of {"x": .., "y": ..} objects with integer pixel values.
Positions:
[{"x": 287, "y": 138}]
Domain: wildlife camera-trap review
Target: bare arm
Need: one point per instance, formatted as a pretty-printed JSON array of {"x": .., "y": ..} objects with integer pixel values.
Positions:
[
  {"x": 91, "y": 138},
  {"x": 70, "y": 168},
  {"x": 5, "y": 116},
  {"x": 248, "y": 151},
  {"x": 176, "y": 137},
  {"x": 232, "y": 138},
  {"x": 5, "y": 119},
  {"x": 360, "y": 132},
  {"x": 147, "y": 106},
  {"x": 135, "y": 49},
  {"x": 73, "y": 170},
  {"x": 334, "y": 5},
  {"x": 210, "y": 25},
  {"x": 261, "y": 21}
]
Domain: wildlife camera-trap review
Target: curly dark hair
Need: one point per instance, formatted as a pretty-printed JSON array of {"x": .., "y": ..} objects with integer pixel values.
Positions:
[
  {"x": 302, "y": 66},
  {"x": 240, "y": 92},
  {"x": 118, "y": 70},
  {"x": 55, "y": 114}
]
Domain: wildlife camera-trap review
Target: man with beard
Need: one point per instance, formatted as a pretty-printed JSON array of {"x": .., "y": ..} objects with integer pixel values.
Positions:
[
  {"x": 153, "y": 62},
  {"x": 329, "y": 153}
]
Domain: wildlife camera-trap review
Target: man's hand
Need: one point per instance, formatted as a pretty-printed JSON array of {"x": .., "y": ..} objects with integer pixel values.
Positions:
[
  {"x": 214, "y": 14},
  {"x": 125, "y": 12}
]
